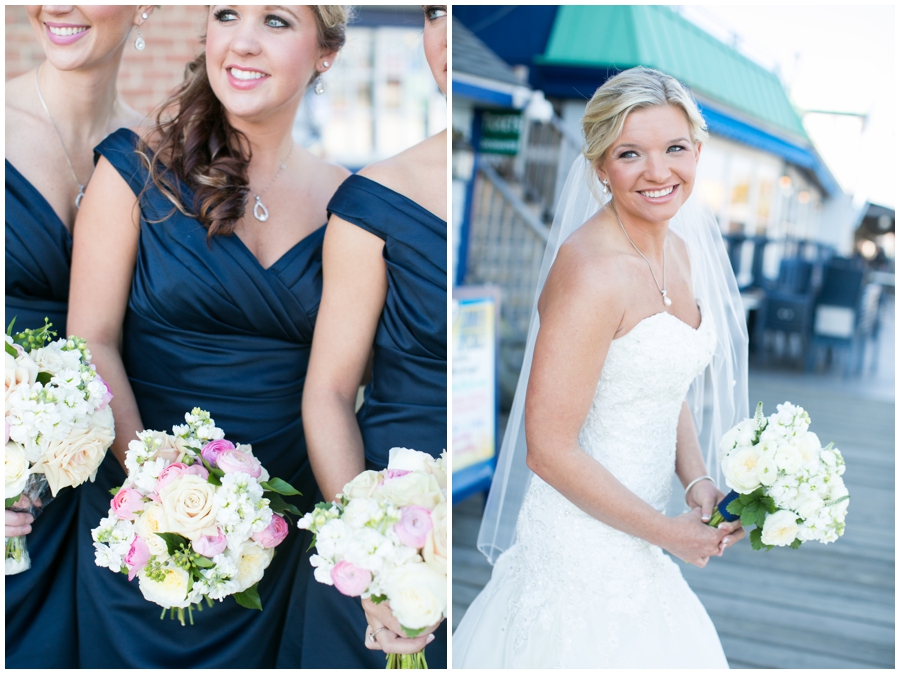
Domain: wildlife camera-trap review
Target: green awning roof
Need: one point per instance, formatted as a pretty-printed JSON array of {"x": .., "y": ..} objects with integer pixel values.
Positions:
[{"x": 623, "y": 36}]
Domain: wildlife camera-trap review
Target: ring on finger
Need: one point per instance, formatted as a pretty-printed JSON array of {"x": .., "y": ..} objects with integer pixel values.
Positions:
[{"x": 372, "y": 635}]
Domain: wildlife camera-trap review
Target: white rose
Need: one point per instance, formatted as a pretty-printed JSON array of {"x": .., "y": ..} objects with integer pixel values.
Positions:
[
  {"x": 401, "y": 458},
  {"x": 49, "y": 359},
  {"x": 435, "y": 550},
  {"x": 15, "y": 469},
  {"x": 418, "y": 594},
  {"x": 810, "y": 507},
  {"x": 740, "y": 470},
  {"x": 780, "y": 528},
  {"x": 766, "y": 470},
  {"x": 172, "y": 592},
  {"x": 189, "y": 504},
  {"x": 788, "y": 458},
  {"x": 809, "y": 446},
  {"x": 152, "y": 522},
  {"x": 21, "y": 370},
  {"x": 363, "y": 485},
  {"x": 415, "y": 488},
  {"x": 251, "y": 561},
  {"x": 74, "y": 460}
]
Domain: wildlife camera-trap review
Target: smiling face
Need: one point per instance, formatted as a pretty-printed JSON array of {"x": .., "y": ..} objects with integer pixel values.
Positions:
[
  {"x": 435, "y": 41},
  {"x": 82, "y": 36},
  {"x": 652, "y": 165},
  {"x": 259, "y": 59}
]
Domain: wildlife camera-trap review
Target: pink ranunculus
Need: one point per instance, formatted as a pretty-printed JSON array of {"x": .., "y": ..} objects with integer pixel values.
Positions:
[
  {"x": 414, "y": 525},
  {"x": 127, "y": 503},
  {"x": 169, "y": 474},
  {"x": 197, "y": 469},
  {"x": 210, "y": 546},
  {"x": 349, "y": 579},
  {"x": 235, "y": 461},
  {"x": 104, "y": 401},
  {"x": 137, "y": 557},
  {"x": 212, "y": 449},
  {"x": 273, "y": 534},
  {"x": 394, "y": 473}
]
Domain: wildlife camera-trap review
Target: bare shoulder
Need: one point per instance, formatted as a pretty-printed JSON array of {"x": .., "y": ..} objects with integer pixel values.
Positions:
[{"x": 328, "y": 177}]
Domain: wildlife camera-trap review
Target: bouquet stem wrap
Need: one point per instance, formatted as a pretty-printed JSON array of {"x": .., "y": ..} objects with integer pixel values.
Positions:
[
  {"x": 720, "y": 513},
  {"x": 37, "y": 496},
  {"x": 406, "y": 661}
]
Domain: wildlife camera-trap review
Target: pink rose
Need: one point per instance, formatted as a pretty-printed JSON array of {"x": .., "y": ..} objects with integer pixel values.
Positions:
[
  {"x": 414, "y": 525},
  {"x": 169, "y": 474},
  {"x": 273, "y": 534},
  {"x": 349, "y": 579},
  {"x": 197, "y": 469},
  {"x": 137, "y": 557},
  {"x": 104, "y": 401},
  {"x": 127, "y": 503},
  {"x": 210, "y": 546},
  {"x": 235, "y": 461},
  {"x": 394, "y": 473},
  {"x": 211, "y": 451}
]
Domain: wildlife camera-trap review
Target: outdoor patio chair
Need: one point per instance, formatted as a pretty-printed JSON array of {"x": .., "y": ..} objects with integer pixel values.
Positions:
[{"x": 787, "y": 306}]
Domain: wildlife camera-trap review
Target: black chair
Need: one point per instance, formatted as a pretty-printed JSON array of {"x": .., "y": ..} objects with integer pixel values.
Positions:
[
  {"x": 787, "y": 306},
  {"x": 845, "y": 313}
]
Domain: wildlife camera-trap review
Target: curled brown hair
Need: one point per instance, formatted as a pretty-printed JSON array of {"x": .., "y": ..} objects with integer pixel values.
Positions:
[{"x": 195, "y": 143}]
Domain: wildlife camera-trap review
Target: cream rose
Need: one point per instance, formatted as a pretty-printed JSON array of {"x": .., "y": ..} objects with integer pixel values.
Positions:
[
  {"x": 416, "y": 488},
  {"x": 152, "y": 522},
  {"x": 74, "y": 460},
  {"x": 19, "y": 371},
  {"x": 435, "y": 550},
  {"x": 189, "y": 505},
  {"x": 49, "y": 359},
  {"x": 780, "y": 528},
  {"x": 418, "y": 595},
  {"x": 15, "y": 469},
  {"x": 172, "y": 592},
  {"x": 363, "y": 485},
  {"x": 252, "y": 564},
  {"x": 401, "y": 458},
  {"x": 740, "y": 470}
]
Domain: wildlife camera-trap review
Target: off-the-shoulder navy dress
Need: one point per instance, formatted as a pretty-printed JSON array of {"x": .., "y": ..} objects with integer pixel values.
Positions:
[
  {"x": 206, "y": 326},
  {"x": 405, "y": 403},
  {"x": 40, "y": 602}
]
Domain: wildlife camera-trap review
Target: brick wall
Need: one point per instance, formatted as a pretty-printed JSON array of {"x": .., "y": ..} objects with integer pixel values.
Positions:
[{"x": 172, "y": 37}]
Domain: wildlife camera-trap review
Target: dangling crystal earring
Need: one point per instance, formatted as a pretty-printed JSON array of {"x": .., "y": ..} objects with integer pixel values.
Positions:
[
  {"x": 320, "y": 86},
  {"x": 139, "y": 43}
]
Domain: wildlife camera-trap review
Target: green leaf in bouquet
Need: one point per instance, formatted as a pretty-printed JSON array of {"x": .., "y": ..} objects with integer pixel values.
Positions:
[
  {"x": 736, "y": 507},
  {"x": 280, "y": 506},
  {"x": 173, "y": 542},
  {"x": 204, "y": 562},
  {"x": 768, "y": 503},
  {"x": 10, "y": 502},
  {"x": 413, "y": 633},
  {"x": 10, "y": 349},
  {"x": 249, "y": 598},
  {"x": 115, "y": 490},
  {"x": 44, "y": 378},
  {"x": 750, "y": 514},
  {"x": 11, "y": 324},
  {"x": 378, "y": 598},
  {"x": 212, "y": 478},
  {"x": 313, "y": 544},
  {"x": 797, "y": 543},
  {"x": 278, "y": 485}
]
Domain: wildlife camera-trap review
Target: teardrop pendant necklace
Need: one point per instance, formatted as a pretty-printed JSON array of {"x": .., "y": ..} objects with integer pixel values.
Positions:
[
  {"x": 662, "y": 289},
  {"x": 260, "y": 212}
]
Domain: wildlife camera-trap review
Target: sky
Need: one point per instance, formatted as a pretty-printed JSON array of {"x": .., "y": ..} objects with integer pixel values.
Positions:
[{"x": 834, "y": 58}]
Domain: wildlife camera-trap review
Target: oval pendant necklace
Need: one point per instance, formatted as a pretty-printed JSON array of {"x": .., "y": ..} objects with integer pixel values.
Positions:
[
  {"x": 662, "y": 289},
  {"x": 260, "y": 212}
]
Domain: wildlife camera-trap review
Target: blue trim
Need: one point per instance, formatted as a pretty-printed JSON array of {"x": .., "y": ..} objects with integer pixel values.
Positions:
[
  {"x": 482, "y": 94},
  {"x": 462, "y": 262},
  {"x": 472, "y": 480}
]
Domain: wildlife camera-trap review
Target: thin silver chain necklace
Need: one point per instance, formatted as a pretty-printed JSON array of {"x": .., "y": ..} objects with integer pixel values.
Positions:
[
  {"x": 260, "y": 212},
  {"x": 80, "y": 187},
  {"x": 662, "y": 289}
]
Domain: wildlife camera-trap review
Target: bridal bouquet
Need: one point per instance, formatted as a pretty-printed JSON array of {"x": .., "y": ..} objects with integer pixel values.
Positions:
[
  {"x": 197, "y": 518},
  {"x": 783, "y": 480},
  {"x": 386, "y": 540},
  {"x": 58, "y": 424}
]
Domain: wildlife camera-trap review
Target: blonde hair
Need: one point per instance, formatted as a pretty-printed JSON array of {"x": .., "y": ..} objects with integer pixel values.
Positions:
[
  {"x": 633, "y": 89},
  {"x": 331, "y": 21}
]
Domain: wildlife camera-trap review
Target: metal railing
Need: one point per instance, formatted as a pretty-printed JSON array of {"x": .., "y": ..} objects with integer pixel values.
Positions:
[{"x": 546, "y": 145}]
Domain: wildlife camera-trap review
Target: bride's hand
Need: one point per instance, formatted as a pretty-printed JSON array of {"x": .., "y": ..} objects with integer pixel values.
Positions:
[
  {"x": 692, "y": 540},
  {"x": 706, "y": 496},
  {"x": 387, "y": 631}
]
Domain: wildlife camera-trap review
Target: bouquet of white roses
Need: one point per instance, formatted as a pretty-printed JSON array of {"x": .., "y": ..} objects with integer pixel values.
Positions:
[
  {"x": 58, "y": 424},
  {"x": 783, "y": 480},
  {"x": 386, "y": 540},
  {"x": 197, "y": 518}
]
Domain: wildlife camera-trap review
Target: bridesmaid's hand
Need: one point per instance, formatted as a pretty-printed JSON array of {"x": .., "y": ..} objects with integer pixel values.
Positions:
[
  {"x": 18, "y": 524},
  {"x": 387, "y": 631},
  {"x": 705, "y": 495}
]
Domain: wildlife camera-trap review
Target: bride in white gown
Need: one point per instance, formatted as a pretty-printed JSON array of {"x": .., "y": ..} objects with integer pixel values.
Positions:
[{"x": 640, "y": 306}]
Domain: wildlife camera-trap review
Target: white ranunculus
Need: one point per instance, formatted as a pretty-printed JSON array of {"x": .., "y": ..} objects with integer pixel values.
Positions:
[
  {"x": 809, "y": 446},
  {"x": 189, "y": 504},
  {"x": 414, "y": 488},
  {"x": 75, "y": 459},
  {"x": 401, "y": 458},
  {"x": 780, "y": 528},
  {"x": 746, "y": 433},
  {"x": 151, "y": 522},
  {"x": 252, "y": 560},
  {"x": 740, "y": 470},
  {"x": 766, "y": 470},
  {"x": 788, "y": 458},
  {"x": 810, "y": 507},
  {"x": 172, "y": 592},
  {"x": 418, "y": 594},
  {"x": 15, "y": 469},
  {"x": 363, "y": 485}
]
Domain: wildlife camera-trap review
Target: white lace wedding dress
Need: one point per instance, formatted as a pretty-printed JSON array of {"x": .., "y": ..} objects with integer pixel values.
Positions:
[{"x": 574, "y": 592}]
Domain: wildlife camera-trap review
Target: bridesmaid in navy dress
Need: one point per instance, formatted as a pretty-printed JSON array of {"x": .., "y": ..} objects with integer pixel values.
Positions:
[
  {"x": 41, "y": 194},
  {"x": 197, "y": 282},
  {"x": 385, "y": 265}
]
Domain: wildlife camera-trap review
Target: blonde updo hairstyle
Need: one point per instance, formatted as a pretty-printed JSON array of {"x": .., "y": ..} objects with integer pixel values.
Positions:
[{"x": 633, "y": 89}]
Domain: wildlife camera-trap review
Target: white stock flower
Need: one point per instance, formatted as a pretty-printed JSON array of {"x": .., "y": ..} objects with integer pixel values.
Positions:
[
  {"x": 809, "y": 507},
  {"x": 360, "y": 511},
  {"x": 401, "y": 458},
  {"x": 418, "y": 594},
  {"x": 323, "y": 567},
  {"x": 106, "y": 558},
  {"x": 740, "y": 469},
  {"x": 780, "y": 528},
  {"x": 788, "y": 458},
  {"x": 172, "y": 592},
  {"x": 809, "y": 447},
  {"x": 15, "y": 469}
]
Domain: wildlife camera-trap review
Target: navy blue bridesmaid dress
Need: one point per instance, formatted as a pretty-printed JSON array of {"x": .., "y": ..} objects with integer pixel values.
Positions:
[
  {"x": 40, "y": 602},
  {"x": 405, "y": 403},
  {"x": 206, "y": 326}
]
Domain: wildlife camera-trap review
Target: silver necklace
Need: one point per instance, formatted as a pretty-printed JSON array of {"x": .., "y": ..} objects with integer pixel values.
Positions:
[
  {"x": 81, "y": 187},
  {"x": 662, "y": 289},
  {"x": 260, "y": 212}
]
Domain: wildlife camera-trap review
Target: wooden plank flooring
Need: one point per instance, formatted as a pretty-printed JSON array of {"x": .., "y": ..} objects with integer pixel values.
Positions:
[{"x": 822, "y": 606}]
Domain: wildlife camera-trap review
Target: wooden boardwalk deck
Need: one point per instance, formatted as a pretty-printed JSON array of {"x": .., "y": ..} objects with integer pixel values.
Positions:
[{"x": 822, "y": 606}]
